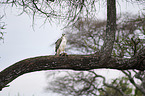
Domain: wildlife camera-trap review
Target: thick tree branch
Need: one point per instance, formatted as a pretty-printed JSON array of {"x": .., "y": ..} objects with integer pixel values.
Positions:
[{"x": 74, "y": 62}]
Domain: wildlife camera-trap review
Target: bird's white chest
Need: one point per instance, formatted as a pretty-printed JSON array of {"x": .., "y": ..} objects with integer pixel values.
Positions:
[{"x": 63, "y": 43}]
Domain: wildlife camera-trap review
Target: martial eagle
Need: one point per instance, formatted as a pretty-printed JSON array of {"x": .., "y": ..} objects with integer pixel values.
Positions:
[{"x": 60, "y": 44}]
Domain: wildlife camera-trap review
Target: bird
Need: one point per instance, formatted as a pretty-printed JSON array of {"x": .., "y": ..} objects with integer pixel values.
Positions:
[{"x": 60, "y": 44}]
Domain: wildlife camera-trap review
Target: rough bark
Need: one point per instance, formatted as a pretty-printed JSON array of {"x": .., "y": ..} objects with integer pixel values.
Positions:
[
  {"x": 109, "y": 35},
  {"x": 73, "y": 62}
]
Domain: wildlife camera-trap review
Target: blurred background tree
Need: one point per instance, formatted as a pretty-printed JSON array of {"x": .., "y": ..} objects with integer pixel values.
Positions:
[{"x": 86, "y": 36}]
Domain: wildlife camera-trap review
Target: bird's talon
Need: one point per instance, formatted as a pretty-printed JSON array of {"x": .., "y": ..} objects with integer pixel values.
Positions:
[{"x": 63, "y": 54}]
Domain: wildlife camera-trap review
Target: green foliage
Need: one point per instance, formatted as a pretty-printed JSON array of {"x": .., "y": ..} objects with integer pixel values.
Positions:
[
  {"x": 89, "y": 84},
  {"x": 137, "y": 93},
  {"x": 128, "y": 41},
  {"x": 87, "y": 34},
  {"x": 121, "y": 83}
]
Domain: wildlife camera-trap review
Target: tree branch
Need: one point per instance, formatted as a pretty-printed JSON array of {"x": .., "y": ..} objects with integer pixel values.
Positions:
[
  {"x": 109, "y": 85},
  {"x": 133, "y": 82},
  {"x": 73, "y": 62}
]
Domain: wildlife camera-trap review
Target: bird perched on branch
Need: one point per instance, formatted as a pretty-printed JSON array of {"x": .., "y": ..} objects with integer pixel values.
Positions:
[{"x": 60, "y": 44}]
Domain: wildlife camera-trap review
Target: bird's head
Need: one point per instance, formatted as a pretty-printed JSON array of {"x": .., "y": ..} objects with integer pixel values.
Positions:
[{"x": 63, "y": 34}]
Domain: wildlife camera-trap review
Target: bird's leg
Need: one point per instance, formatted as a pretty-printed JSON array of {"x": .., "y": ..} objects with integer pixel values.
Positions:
[{"x": 64, "y": 54}]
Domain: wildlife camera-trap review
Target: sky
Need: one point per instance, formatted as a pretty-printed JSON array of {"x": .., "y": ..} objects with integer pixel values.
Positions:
[{"x": 21, "y": 42}]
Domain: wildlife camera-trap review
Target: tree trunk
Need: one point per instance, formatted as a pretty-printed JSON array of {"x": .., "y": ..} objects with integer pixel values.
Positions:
[{"x": 109, "y": 35}]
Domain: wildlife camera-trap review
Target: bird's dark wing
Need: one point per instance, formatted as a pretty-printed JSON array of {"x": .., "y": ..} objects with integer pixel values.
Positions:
[{"x": 57, "y": 44}]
